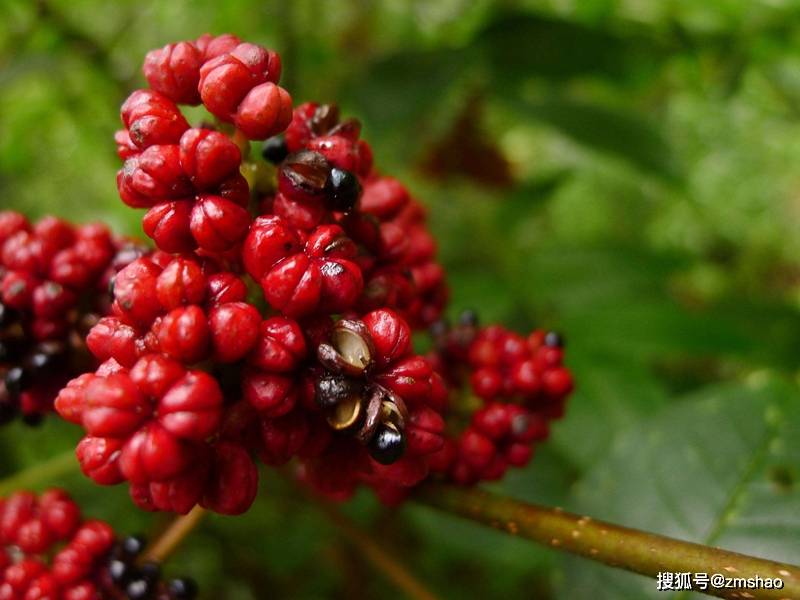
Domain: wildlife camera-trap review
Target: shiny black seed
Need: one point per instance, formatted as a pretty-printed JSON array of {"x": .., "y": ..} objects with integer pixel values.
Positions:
[
  {"x": 554, "y": 339},
  {"x": 183, "y": 589},
  {"x": 16, "y": 380},
  {"x": 274, "y": 149},
  {"x": 140, "y": 589},
  {"x": 469, "y": 318},
  {"x": 332, "y": 389},
  {"x": 120, "y": 571},
  {"x": 343, "y": 190},
  {"x": 133, "y": 545},
  {"x": 387, "y": 445}
]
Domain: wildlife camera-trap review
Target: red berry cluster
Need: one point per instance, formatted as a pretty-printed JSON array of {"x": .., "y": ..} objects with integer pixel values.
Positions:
[
  {"x": 281, "y": 329},
  {"x": 48, "y": 552},
  {"x": 187, "y": 177},
  {"x": 523, "y": 385},
  {"x": 51, "y": 276},
  {"x": 150, "y": 417}
]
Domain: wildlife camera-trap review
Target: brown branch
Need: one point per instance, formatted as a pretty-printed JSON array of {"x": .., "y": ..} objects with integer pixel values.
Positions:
[
  {"x": 630, "y": 549},
  {"x": 387, "y": 564},
  {"x": 172, "y": 537}
]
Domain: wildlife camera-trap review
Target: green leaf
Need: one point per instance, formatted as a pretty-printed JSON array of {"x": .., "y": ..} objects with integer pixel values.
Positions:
[
  {"x": 620, "y": 133},
  {"x": 519, "y": 45},
  {"x": 703, "y": 470}
]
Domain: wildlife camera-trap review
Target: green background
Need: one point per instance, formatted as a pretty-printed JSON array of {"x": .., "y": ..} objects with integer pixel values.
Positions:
[{"x": 629, "y": 176}]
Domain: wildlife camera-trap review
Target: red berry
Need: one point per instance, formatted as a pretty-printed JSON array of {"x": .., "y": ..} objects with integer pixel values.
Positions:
[
  {"x": 192, "y": 407},
  {"x": 390, "y": 334},
  {"x": 154, "y": 374},
  {"x": 33, "y": 536},
  {"x": 487, "y": 383},
  {"x": 234, "y": 328},
  {"x": 99, "y": 459},
  {"x": 153, "y": 176},
  {"x": 233, "y": 483},
  {"x": 280, "y": 345},
  {"x": 111, "y": 338},
  {"x": 208, "y": 157},
  {"x": 94, "y": 538},
  {"x": 270, "y": 239},
  {"x": 152, "y": 118},
  {"x": 476, "y": 449},
  {"x": 135, "y": 293},
  {"x": 383, "y": 197},
  {"x": 174, "y": 71},
  {"x": 180, "y": 283},
  {"x": 212, "y": 46},
  {"x": 168, "y": 224},
  {"x": 225, "y": 287},
  {"x": 265, "y": 111},
  {"x": 183, "y": 334},
  {"x": 218, "y": 224},
  {"x": 227, "y": 79},
  {"x": 114, "y": 406},
  {"x": 154, "y": 454},
  {"x": 69, "y": 402},
  {"x": 272, "y": 394}
]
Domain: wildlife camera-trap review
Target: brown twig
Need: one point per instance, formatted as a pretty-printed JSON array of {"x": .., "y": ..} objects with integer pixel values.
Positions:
[
  {"x": 172, "y": 537},
  {"x": 387, "y": 564}
]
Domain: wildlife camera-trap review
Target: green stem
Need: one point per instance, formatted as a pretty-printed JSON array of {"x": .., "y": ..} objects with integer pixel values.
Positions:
[
  {"x": 43, "y": 472},
  {"x": 630, "y": 549}
]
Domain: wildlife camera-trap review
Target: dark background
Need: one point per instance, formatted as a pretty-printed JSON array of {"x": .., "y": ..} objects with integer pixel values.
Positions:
[{"x": 624, "y": 171}]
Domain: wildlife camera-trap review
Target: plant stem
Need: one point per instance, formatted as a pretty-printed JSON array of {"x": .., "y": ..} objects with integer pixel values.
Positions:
[
  {"x": 52, "y": 468},
  {"x": 387, "y": 564},
  {"x": 172, "y": 537},
  {"x": 630, "y": 549}
]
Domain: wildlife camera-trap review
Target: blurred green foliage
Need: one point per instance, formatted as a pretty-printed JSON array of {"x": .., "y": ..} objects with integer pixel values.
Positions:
[{"x": 652, "y": 218}]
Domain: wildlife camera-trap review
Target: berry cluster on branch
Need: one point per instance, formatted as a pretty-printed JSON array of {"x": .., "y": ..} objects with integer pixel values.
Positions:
[
  {"x": 274, "y": 321},
  {"x": 52, "y": 281},
  {"x": 49, "y": 552}
]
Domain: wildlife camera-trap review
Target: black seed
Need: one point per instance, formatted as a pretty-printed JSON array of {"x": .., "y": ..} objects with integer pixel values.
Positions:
[
  {"x": 343, "y": 190},
  {"x": 16, "y": 380},
  {"x": 120, "y": 571},
  {"x": 554, "y": 339},
  {"x": 151, "y": 571},
  {"x": 274, "y": 149},
  {"x": 183, "y": 589},
  {"x": 332, "y": 389},
  {"x": 438, "y": 328},
  {"x": 388, "y": 444},
  {"x": 46, "y": 356},
  {"x": 133, "y": 545},
  {"x": 140, "y": 589},
  {"x": 468, "y": 317}
]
